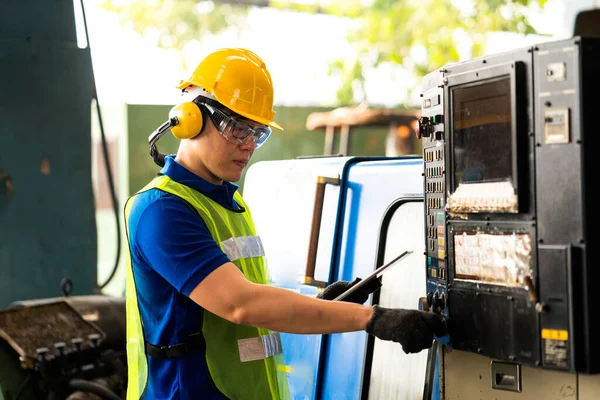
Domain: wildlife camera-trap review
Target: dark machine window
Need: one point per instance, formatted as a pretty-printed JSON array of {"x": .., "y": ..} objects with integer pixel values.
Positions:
[{"x": 482, "y": 139}]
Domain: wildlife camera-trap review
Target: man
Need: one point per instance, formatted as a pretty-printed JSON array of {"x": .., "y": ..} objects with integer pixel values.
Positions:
[{"x": 202, "y": 320}]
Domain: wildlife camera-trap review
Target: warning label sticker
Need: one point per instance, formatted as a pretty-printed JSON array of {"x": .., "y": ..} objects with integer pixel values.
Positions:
[{"x": 555, "y": 352}]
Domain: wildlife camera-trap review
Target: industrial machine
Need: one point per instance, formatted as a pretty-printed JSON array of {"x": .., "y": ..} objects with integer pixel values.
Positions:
[
  {"x": 503, "y": 193},
  {"x": 63, "y": 348},
  {"x": 508, "y": 148},
  {"x": 59, "y": 337}
]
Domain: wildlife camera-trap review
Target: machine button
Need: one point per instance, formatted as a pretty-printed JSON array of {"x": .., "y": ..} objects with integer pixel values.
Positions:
[
  {"x": 437, "y": 119},
  {"x": 423, "y": 127},
  {"x": 439, "y": 301}
]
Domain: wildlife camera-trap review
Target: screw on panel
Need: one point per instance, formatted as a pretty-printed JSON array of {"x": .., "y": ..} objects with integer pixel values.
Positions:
[
  {"x": 540, "y": 307},
  {"x": 540, "y": 240}
]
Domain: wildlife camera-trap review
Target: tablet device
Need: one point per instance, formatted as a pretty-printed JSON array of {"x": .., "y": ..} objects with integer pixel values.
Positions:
[{"x": 371, "y": 280}]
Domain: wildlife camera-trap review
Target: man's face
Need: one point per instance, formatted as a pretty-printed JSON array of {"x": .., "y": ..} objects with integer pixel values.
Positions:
[{"x": 221, "y": 159}]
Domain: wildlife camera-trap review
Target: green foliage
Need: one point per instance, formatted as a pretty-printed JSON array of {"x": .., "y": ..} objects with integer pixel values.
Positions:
[
  {"x": 177, "y": 22},
  {"x": 388, "y": 31}
]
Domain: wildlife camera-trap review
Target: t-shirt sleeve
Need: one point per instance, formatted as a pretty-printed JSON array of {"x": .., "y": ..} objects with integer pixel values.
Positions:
[{"x": 177, "y": 244}]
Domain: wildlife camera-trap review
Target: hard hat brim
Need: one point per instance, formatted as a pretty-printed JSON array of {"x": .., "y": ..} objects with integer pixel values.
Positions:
[{"x": 275, "y": 125}]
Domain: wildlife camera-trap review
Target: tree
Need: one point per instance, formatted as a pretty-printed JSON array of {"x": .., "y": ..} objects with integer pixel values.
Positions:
[{"x": 388, "y": 31}]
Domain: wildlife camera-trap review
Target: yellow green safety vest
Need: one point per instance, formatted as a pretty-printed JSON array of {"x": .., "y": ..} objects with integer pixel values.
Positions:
[{"x": 262, "y": 376}]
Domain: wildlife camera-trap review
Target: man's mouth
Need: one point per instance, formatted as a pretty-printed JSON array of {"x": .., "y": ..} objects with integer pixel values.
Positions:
[{"x": 240, "y": 163}]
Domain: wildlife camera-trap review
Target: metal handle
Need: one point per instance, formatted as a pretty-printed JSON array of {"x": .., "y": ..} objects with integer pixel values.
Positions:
[
  {"x": 8, "y": 184},
  {"x": 315, "y": 230}
]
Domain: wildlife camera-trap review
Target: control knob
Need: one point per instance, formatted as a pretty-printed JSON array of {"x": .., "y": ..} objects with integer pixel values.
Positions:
[
  {"x": 429, "y": 299},
  {"x": 423, "y": 127},
  {"x": 439, "y": 301}
]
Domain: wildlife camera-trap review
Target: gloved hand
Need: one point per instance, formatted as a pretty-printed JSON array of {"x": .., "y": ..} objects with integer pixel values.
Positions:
[
  {"x": 360, "y": 296},
  {"x": 413, "y": 329}
]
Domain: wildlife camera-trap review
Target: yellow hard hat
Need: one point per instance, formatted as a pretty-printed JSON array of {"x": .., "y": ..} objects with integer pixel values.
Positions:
[{"x": 239, "y": 80}]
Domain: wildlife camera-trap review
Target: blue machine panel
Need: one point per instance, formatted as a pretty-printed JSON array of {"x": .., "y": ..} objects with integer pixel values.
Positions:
[
  {"x": 284, "y": 192},
  {"x": 327, "y": 366},
  {"x": 370, "y": 187}
]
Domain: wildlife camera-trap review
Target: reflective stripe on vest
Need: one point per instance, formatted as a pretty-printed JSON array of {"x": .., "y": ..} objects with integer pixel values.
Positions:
[
  {"x": 252, "y": 374},
  {"x": 243, "y": 247}
]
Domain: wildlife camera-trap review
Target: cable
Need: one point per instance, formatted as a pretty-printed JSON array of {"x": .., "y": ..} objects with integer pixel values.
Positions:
[{"x": 111, "y": 183}]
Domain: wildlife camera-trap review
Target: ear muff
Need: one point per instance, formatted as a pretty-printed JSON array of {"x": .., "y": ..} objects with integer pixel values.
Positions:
[{"x": 187, "y": 120}]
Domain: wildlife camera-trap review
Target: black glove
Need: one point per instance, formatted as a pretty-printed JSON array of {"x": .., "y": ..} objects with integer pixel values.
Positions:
[
  {"x": 413, "y": 329},
  {"x": 359, "y": 296}
]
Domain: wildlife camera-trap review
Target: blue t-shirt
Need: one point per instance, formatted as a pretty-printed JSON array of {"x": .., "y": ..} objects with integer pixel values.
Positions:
[{"x": 172, "y": 251}]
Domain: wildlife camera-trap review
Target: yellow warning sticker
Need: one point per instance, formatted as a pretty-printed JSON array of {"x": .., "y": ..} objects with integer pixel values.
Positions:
[{"x": 555, "y": 334}]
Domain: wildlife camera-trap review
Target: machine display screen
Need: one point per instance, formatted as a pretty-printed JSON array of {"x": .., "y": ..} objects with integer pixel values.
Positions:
[{"x": 482, "y": 132}]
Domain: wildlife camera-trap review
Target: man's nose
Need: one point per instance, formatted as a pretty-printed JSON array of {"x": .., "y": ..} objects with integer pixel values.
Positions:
[{"x": 249, "y": 145}]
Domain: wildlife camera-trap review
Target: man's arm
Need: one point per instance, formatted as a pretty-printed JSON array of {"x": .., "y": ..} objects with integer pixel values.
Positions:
[{"x": 227, "y": 293}]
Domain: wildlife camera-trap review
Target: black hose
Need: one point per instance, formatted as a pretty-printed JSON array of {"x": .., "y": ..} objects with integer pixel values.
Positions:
[
  {"x": 109, "y": 174},
  {"x": 22, "y": 387},
  {"x": 93, "y": 387}
]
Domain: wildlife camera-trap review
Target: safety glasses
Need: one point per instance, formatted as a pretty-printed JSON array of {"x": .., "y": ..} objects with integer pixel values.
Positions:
[{"x": 237, "y": 130}]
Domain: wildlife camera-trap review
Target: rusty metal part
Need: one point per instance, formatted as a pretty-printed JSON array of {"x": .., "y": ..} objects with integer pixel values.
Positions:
[
  {"x": 309, "y": 275},
  {"x": 27, "y": 329}
]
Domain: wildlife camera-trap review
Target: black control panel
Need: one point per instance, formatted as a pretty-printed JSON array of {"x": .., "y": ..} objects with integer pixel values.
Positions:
[
  {"x": 508, "y": 145},
  {"x": 431, "y": 131}
]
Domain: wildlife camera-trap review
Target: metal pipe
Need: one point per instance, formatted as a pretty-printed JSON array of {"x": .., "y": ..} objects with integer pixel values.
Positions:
[{"x": 309, "y": 275}]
